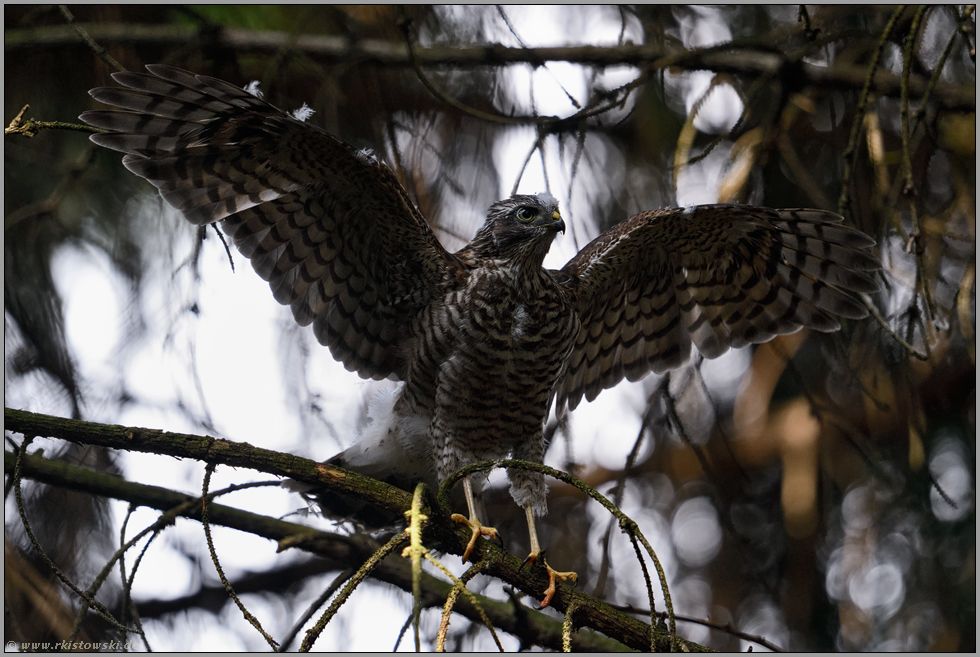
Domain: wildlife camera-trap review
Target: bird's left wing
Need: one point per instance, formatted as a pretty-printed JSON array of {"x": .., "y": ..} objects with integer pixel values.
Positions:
[
  {"x": 330, "y": 227},
  {"x": 719, "y": 275}
]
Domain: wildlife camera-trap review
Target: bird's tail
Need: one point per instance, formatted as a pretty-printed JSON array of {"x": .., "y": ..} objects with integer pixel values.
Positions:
[{"x": 391, "y": 448}]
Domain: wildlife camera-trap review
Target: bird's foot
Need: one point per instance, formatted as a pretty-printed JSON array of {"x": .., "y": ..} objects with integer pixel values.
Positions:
[
  {"x": 553, "y": 576},
  {"x": 478, "y": 529}
]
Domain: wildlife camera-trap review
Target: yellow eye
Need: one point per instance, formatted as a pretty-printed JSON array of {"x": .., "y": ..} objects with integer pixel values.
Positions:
[{"x": 526, "y": 214}]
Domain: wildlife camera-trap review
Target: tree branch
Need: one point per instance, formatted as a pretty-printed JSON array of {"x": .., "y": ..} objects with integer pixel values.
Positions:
[
  {"x": 30, "y": 128},
  {"x": 345, "y": 551},
  {"x": 736, "y": 60}
]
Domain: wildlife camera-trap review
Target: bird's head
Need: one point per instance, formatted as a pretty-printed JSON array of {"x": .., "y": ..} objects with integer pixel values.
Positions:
[{"x": 521, "y": 227}]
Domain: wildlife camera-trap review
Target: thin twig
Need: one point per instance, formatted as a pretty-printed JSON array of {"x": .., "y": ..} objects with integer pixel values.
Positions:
[
  {"x": 620, "y": 489},
  {"x": 100, "y": 52},
  {"x": 568, "y": 626},
  {"x": 328, "y": 592},
  {"x": 513, "y": 31},
  {"x": 723, "y": 627},
  {"x": 895, "y": 336},
  {"x": 157, "y": 530},
  {"x": 314, "y": 632},
  {"x": 30, "y": 128},
  {"x": 908, "y": 185},
  {"x": 552, "y": 121},
  {"x": 936, "y": 74},
  {"x": 224, "y": 243},
  {"x": 646, "y": 579},
  {"x": 208, "y": 471},
  {"x": 416, "y": 521},
  {"x": 685, "y": 139},
  {"x": 87, "y": 599},
  {"x": 165, "y": 520},
  {"x": 844, "y": 201},
  {"x": 527, "y": 160},
  {"x": 401, "y": 634},
  {"x": 459, "y": 586}
]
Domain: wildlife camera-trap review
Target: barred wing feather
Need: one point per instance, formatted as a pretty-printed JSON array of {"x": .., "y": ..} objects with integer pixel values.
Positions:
[
  {"x": 330, "y": 228},
  {"x": 717, "y": 276}
]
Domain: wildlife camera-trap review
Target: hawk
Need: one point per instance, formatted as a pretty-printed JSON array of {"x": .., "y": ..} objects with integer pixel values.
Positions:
[{"x": 484, "y": 339}]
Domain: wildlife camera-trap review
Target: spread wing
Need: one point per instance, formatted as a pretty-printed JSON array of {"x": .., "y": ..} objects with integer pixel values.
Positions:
[
  {"x": 329, "y": 227},
  {"x": 719, "y": 276}
]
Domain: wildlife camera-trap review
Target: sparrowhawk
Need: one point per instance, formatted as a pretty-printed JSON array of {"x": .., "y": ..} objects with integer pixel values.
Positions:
[{"x": 484, "y": 339}]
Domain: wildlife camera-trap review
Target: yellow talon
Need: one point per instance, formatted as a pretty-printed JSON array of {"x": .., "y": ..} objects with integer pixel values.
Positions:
[
  {"x": 472, "y": 522},
  {"x": 478, "y": 530},
  {"x": 553, "y": 575},
  {"x": 538, "y": 553}
]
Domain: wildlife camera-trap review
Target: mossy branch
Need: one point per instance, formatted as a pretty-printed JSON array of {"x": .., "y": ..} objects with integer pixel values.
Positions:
[
  {"x": 532, "y": 627},
  {"x": 30, "y": 127}
]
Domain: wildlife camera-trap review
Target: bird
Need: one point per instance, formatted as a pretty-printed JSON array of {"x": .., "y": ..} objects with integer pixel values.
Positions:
[{"x": 484, "y": 340}]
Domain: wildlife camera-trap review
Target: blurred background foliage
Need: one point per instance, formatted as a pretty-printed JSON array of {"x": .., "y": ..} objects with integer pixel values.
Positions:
[{"x": 818, "y": 491}]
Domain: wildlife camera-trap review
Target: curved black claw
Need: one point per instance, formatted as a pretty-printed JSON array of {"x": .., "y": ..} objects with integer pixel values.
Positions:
[{"x": 531, "y": 558}]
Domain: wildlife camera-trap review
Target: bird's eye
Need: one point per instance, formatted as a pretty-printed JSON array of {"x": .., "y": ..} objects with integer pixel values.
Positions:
[{"x": 526, "y": 214}]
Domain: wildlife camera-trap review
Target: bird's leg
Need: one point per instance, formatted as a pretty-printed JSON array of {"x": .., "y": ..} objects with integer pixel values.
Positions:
[
  {"x": 474, "y": 523},
  {"x": 536, "y": 553}
]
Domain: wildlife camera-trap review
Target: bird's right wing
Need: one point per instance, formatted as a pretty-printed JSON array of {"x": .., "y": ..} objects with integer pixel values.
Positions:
[{"x": 328, "y": 226}]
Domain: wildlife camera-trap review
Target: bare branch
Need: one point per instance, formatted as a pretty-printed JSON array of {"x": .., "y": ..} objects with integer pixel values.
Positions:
[
  {"x": 99, "y": 51},
  {"x": 332, "y": 49}
]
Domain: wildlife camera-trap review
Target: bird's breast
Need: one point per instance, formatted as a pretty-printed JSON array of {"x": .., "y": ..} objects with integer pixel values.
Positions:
[
  {"x": 488, "y": 356},
  {"x": 518, "y": 332},
  {"x": 500, "y": 341}
]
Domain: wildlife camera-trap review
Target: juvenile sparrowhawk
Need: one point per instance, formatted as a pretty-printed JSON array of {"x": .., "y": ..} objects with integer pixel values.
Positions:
[{"x": 485, "y": 338}]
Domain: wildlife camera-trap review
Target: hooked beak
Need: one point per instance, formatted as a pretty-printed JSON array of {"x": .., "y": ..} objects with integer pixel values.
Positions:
[{"x": 559, "y": 224}]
